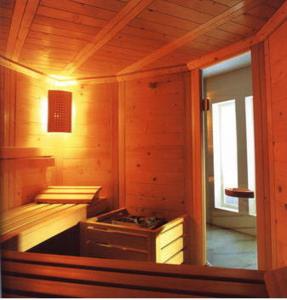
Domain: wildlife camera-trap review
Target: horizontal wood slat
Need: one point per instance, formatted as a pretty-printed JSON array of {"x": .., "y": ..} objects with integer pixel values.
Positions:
[
  {"x": 88, "y": 277},
  {"x": 131, "y": 10},
  {"x": 65, "y": 289},
  {"x": 69, "y": 194},
  {"x": 32, "y": 224},
  {"x": 139, "y": 32},
  {"x": 236, "y": 275},
  {"x": 190, "y": 36}
]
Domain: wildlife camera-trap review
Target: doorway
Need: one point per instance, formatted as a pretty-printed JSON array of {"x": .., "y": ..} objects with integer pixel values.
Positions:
[{"x": 230, "y": 163}]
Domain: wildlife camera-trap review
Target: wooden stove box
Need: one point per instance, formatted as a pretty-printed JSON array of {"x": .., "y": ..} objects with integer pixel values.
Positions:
[{"x": 164, "y": 244}]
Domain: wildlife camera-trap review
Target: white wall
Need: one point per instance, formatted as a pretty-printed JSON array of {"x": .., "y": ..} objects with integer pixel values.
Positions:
[{"x": 232, "y": 85}]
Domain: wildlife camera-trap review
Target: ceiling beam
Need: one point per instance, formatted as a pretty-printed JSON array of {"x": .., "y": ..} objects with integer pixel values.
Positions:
[
  {"x": 13, "y": 65},
  {"x": 123, "y": 17},
  {"x": 222, "y": 54},
  {"x": 17, "y": 67},
  {"x": 153, "y": 72},
  {"x": 244, "y": 45},
  {"x": 190, "y": 36},
  {"x": 273, "y": 23},
  {"x": 23, "y": 15}
]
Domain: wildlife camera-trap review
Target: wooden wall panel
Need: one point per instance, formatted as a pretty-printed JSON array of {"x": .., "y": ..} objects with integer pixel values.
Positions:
[
  {"x": 18, "y": 184},
  {"x": 276, "y": 50},
  {"x": 153, "y": 144},
  {"x": 84, "y": 157}
]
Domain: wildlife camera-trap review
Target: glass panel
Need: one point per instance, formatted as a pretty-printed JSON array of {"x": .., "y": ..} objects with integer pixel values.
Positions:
[
  {"x": 225, "y": 153},
  {"x": 250, "y": 151}
]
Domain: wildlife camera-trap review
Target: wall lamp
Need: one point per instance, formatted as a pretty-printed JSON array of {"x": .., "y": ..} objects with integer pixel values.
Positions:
[{"x": 59, "y": 111}]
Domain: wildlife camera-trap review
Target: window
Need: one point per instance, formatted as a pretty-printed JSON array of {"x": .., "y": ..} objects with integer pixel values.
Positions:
[
  {"x": 225, "y": 153},
  {"x": 250, "y": 151}
]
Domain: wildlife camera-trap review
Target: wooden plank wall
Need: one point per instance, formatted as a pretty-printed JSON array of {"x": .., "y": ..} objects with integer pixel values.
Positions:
[
  {"x": 17, "y": 184},
  {"x": 276, "y": 79},
  {"x": 152, "y": 144},
  {"x": 87, "y": 156}
]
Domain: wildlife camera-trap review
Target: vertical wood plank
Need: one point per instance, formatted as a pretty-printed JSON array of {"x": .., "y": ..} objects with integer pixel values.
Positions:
[
  {"x": 155, "y": 145},
  {"x": 122, "y": 146},
  {"x": 115, "y": 146},
  {"x": 188, "y": 165},
  {"x": 8, "y": 119},
  {"x": 276, "y": 81},
  {"x": 86, "y": 156},
  {"x": 262, "y": 157},
  {"x": 196, "y": 205}
]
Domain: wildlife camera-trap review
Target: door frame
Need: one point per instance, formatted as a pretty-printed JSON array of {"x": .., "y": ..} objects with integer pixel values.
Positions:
[{"x": 196, "y": 210}]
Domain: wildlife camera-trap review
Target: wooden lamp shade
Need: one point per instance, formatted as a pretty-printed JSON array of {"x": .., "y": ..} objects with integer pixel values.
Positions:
[{"x": 59, "y": 111}]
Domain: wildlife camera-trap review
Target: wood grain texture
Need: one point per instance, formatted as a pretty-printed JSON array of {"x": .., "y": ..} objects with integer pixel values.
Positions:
[
  {"x": 273, "y": 23},
  {"x": 222, "y": 54},
  {"x": 276, "y": 78},
  {"x": 137, "y": 279},
  {"x": 12, "y": 65},
  {"x": 196, "y": 203},
  {"x": 89, "y": 150},
  {"x": 31, "y": 227},
  {"x": 190, "y": 36},
  {"x": 126, "y": 33},
  {"x": 262, "y": 140},
  {"x": 23, "y": 15},
  {"x": 154, "y": 149},
  {"x": 130, "y": 11},
  {"x": 243, "y": 45},
  {"x": 275, "y": 283},
  {"x": 122, "y": 241},
  {"x": 22, "y": 172},
  {"x": 6, "y": 12}
]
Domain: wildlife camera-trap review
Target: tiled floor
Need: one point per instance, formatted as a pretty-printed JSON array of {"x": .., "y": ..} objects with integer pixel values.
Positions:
[{"x": 230, "y": 249}]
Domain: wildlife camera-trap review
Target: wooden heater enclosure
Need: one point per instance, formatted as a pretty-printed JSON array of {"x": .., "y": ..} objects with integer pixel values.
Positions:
[{"x": 164, "y": 244}]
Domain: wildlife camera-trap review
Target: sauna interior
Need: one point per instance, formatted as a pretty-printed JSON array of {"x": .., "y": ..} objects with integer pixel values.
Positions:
[{"x": 105, "y": 184}]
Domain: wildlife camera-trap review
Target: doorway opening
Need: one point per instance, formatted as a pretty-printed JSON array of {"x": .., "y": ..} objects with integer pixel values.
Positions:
[{"x": 230, "y": 164}]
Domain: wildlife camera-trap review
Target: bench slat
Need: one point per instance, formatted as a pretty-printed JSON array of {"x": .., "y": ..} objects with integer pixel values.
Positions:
[
  {"x": 33, "y": 230},
  {"x": 65, "y": 198},
  {"x": 41, "y": 215},
  {"x": 28, "y": 217},
  {"x": 21, "y": 210},
  {"x": 70, "y": 190}
]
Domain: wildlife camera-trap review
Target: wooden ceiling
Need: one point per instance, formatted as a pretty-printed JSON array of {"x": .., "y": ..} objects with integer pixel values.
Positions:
[{"x": 84, "y": 38}]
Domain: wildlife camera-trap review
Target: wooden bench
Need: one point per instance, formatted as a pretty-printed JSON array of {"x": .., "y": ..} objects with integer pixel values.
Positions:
[
  {"x": 47, "y": 275},
  {"x": 29, "y": 225},
  {"x": 58, "y": 208}
]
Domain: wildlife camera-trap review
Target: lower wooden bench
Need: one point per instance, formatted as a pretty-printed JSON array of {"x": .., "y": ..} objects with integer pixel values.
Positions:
[
  {"x": 46, "y": 275},
  {"x": 58, "y": 208},
  {"x": 27, "y": 226}
]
